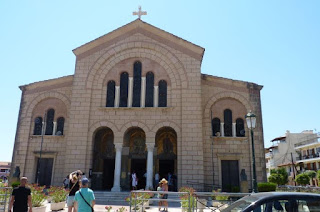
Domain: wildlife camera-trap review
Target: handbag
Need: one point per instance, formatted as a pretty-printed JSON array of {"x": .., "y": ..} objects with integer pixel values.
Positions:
[{"x": 86, "y": 202}]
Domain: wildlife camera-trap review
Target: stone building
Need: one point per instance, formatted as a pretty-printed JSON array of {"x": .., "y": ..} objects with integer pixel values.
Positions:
[{"x": 138, "y": 102}]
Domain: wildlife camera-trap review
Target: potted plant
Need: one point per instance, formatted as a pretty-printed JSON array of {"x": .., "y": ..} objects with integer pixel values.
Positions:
[
  {"x": 108, "y": 208},
  {"x": 38, "y": 198},
  {"x": 58, "y": 197},
  {"x": 185, "y": 198},
  {"x": 139, "y": 200}
]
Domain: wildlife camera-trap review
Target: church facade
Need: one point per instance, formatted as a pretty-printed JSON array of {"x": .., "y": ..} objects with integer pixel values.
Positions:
[{"x": 138, "y": 102}]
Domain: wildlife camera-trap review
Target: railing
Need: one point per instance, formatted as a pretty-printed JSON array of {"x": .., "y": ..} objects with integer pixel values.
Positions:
[
  {"x": 317, "y": 155},
  {"x": 313, "y": 141},
  {"x": 5, "y": 193},
  {"x": 299, "y": 188},
  {"x": 215, "y": 201},
  {"x": 202, "y": 187},
  {"x": 197, "y": 201},
  {"x": 138, "y": 199}
]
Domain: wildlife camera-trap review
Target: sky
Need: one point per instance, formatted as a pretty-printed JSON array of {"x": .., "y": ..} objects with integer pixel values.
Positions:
[{"x": 272, "y": 43}]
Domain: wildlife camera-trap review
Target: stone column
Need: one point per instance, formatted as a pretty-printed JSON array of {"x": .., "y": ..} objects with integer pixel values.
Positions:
[
  {"x": 149, "y": 183},
  {"x": 155, "y": 96},
  {"x": 117, "y": 169},
  {"x": 234, "y": 132},
  {"x": 222, "y": 129},
  {"x": 54, "y": 128},
  {"x": 130, "y": 91},
  {"x": 117, "y": 96},
  {"x": 43, "y": 129},
  {"x": 143, "y": 92}
]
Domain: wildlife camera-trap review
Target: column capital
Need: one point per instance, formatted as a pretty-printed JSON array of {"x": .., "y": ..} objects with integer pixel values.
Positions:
[
  {"x": 150, "y": 147},
  {"x": 118, "y": 146}
]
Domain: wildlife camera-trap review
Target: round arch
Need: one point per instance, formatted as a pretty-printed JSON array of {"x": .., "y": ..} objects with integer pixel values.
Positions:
[
  {"x": 222, "y": 95},
  {"x": 43, "y": 96},
  {"x": 116, "y": 54},
  {"x": 103, "y": 161},
  {"x": 144, "y": 127}
]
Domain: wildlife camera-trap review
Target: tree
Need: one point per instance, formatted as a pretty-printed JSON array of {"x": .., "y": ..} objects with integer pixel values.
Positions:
[
  {"x": 318, "y": 177},
  {"x": 303, "y": 179},
  {"x": 278, "y": 176},
  {"x": 312, "y": 174}
]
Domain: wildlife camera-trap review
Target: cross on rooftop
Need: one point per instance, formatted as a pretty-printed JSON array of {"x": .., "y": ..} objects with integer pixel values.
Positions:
[{"x": 139, "y": 13}]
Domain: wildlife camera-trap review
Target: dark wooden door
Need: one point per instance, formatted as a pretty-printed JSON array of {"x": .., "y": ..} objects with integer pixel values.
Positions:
[
  {"x": 44, "y": 170},
  {"x": 230, "y": 175},
  {"x": 108, "y": 174}
]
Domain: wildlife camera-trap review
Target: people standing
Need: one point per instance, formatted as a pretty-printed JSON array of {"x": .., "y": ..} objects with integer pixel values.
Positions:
[
  {"x": 74, "y": 186},
  {"x": 84, "y": 198},
  {"x": 164, "y": 186},
  {"x": 134, "y": 180},
  {"x": 21, "y": 197},
  {"x": 170, "y": 181},
  {"x": 159, "y": 188}
]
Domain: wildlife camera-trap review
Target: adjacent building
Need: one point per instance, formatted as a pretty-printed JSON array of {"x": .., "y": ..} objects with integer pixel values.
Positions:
[
  {"x": 291, "y": 149},
  {"x": 5, "y": 170},
  {"x": 138, "y": 102}
]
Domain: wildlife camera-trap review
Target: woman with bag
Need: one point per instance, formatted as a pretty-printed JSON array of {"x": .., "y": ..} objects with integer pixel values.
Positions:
[{"x": 74, "y": 186}]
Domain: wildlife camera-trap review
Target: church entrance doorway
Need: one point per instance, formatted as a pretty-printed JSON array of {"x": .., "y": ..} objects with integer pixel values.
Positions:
[
  {"x": 166, "y": 144},
  {"x": 140, "y": 167},
  {"x": 134, "y": 158},
  {"x": 230, "y": 175},
  {"x": 103, "y": 162},
  {"x": 108, "y": 174}
]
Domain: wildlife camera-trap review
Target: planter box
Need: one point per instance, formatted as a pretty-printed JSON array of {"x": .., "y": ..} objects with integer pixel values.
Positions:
[
  {"x": 39, "y": 209},
  {"x": 57, "y": 206}
]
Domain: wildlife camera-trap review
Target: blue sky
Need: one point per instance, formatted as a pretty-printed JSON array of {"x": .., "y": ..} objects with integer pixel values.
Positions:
[{"x": 272, "y": 43}]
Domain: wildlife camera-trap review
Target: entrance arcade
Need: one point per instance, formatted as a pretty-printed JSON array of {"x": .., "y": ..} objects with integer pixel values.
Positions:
[
  {"x": 166, "y": 158},
  {"x": 103, "y": 160}
]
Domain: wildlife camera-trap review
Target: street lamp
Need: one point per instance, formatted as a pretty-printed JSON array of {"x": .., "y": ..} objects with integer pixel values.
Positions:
[{"x": 251, "y": 123}]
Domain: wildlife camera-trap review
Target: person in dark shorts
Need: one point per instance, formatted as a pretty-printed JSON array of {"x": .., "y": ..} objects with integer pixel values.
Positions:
[
  {"x": 74, "y": 186},
  {"x": 21, "y": 197}
]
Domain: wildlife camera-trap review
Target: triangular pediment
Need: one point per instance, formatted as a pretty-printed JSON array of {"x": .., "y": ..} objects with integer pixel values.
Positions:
[{"x": 142, "y": 27}]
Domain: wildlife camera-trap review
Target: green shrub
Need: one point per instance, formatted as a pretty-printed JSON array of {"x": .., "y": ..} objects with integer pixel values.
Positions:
[
  {"x": 278, "y": 176},
  {"x": 15, "y": 184},
  {"x": 318, "y": 175},
  {"x": 312, "y": 174},
  {"x": 235, "y": 189},
  {"x": 266, "y": 187},
  {"x": 303, "y": 179}
]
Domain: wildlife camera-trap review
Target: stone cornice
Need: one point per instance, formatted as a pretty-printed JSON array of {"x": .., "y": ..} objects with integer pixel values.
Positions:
[
  {"x": 47, "y": 84},
  {"x": 139, "y": 26}
]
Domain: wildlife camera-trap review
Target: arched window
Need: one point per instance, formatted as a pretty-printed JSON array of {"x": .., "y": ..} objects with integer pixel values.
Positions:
[
  {"x": 215, "y": 126},
  {"x": 137, "y": 66},
  {"x": 240, "y": 132},
  {"x": 60, "y": 126},
  {"x": 162, "y": 93},
  {"x": 37, "y": 126},
  {"x": 49, "y": 122},
  {"x": 149, "y": 89},
  {"x": 110, "y": 93},
  {"x": 227, "y": 123},
  {"x": 124, "y": 78}
]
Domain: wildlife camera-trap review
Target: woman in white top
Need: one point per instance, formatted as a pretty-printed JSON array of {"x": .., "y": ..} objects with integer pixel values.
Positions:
[{"x": 134, "y": 180}]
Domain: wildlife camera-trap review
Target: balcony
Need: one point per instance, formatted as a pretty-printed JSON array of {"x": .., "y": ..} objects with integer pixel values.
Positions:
[{"x": 308, "y": 157}]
